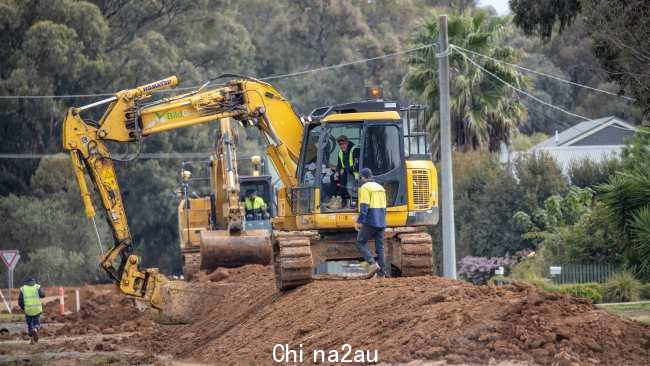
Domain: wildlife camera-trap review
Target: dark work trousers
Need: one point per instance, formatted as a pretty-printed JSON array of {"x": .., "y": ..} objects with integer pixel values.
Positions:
[
  {"x": 33, "y": 322},
  {"x": 369, "y": 232}
]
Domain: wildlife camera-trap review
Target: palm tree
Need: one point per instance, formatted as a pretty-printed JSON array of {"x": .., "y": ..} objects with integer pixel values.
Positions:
[
  {"x": 484, "y": 112},
  {"x": 627, "y": 194}
]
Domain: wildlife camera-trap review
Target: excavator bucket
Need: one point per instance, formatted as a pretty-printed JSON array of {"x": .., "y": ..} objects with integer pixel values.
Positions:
[{"x": 219, "y": 248}]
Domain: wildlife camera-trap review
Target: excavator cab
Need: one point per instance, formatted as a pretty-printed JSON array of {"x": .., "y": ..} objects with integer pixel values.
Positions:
[
  {"x": 335, "y": 133},
  {"x": 201, "y": 231},
  {"x": 262, "y": 185},
  {"x": 392, "y": 142}
]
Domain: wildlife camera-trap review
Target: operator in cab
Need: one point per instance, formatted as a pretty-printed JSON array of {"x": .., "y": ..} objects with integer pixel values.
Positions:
[
  {"x": 371, "y": 222},
  {"x": 348, "y": 165},
  {"x": 255, "y": 206},
  {"x": 29, "y": 301}
]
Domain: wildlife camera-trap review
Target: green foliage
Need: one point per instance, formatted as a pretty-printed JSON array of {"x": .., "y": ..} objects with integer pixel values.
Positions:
[
  {"x": 540, "y": 177},
  {"x": 523, "y": 142},
  {"x": 592, "y": 291},
  {"x": 540, "y": 16},
  {"x": 635, "y": 156},
  {"x": 622, "y": 287},
  {"x": 483, "y": 113},
  {"x": 57, "y": 242},
  {"x": 532, "y": 267},
  {"x": 78, "y": 47},
  {"x": 485, "y": 196},
  {"x": 589, "y": 173},
  {"x": 52, "y": 265},
  {"x": 613, "y": 25},
  {"x": 644, "y": 291},
  {"x": 573, "y": 229}
]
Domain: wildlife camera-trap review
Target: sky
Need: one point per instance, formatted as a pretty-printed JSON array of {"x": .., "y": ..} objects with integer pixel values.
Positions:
[{"x": 500, "y": 5}]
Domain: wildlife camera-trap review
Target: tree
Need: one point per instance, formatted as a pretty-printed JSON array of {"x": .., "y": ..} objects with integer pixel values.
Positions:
[
  {"x": 619, "y": 28},
  {"x": 627, "y": 195},
  {"x": 484, "y": 112}
]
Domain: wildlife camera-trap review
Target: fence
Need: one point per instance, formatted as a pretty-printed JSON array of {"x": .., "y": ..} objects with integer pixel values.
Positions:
[{"x": 583, "y": 273}]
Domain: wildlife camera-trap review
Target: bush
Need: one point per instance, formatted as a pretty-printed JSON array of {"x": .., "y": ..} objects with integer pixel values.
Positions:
[
  {"x": 588, "y": 173},
  {"x": 544, "y": 284},
  {"x": 593, "y": 291},
  {"x": 478, "y": 270},
  {"x": 622, "y": 287},
  {"x": 644, "y": 291},
  {"x": 531, "y": 267}
]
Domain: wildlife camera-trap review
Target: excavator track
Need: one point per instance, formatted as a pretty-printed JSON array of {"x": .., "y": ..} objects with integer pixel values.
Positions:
[
  {"x": 416, "y": 254},
  {"x": 292, "y": 260}
]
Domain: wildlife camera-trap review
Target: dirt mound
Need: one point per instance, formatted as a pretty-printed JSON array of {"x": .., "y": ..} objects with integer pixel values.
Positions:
[
  {"x": 404, "y": 319},
  {"x": 103, "y": 310}
]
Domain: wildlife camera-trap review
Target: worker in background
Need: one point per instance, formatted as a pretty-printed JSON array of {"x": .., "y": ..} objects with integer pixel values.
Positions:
[
  {"x": 371, "y": 221},
  {"x": 29, "y": 301},
  {"x": 255, "y": 206},
  {"x": 348, "y": 164}
]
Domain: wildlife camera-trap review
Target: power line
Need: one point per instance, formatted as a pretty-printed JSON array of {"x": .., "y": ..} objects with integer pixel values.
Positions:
[
  {"x": 270, "y": 77},
  {"x": 544, "y": 74},
  {"x": 639, "y": 130},
  {"x": 518, "y": 89},
  {"x": 344, "y": 64}
]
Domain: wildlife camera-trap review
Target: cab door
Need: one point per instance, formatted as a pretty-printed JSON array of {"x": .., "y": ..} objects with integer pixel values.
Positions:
[{"x": 382, "y": 151}]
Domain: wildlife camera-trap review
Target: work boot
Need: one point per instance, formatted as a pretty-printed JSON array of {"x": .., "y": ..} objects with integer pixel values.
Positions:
[
  {"x": 373, "y": 268},
  {"x": 35, "y": 335}
]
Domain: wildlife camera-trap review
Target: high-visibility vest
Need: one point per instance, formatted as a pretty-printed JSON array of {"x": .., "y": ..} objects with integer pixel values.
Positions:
[
  {"x": 31, "y": 300},
  {"x": 351, "y": 161},
  {"x": 372, "y": 204},
  {"x": 256, "y": 204}
]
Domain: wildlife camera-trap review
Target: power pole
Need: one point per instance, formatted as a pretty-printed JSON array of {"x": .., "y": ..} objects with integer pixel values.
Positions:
[{"x": 448, "y": 230}]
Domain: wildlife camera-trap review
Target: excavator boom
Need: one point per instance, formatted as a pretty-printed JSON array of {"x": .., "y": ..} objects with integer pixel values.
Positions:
[{"x": 128, "y": 118}]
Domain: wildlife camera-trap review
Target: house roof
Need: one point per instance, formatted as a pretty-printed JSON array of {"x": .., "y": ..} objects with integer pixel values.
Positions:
[{"x": 582, "y": 130}]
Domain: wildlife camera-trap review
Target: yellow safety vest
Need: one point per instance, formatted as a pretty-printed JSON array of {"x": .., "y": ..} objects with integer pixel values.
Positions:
[
  {"x": 31, "y": 300},
  {"x": 351, "y": 161},
  {"x": 256, "y": 204}
]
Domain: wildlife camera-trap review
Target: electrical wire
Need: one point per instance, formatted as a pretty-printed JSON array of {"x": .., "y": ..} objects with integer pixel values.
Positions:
[
  {"x": 519, "y": 89},
  {"x": 541, "y": 73},
  {"x": 462, "y": 53},
  {"x": 270, "y": 77}
]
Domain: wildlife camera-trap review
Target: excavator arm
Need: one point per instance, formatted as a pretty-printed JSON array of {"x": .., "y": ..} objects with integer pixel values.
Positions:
[{"x": 129, "y": 118}]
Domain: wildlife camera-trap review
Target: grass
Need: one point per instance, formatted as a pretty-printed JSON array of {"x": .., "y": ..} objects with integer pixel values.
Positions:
[
  {"x": 639, "y": 311},
  {"x": 6, "y": 317}
]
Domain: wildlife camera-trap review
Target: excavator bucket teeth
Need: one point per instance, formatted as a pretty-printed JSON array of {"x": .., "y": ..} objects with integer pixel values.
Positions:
[{"x": 219, "y": 248}]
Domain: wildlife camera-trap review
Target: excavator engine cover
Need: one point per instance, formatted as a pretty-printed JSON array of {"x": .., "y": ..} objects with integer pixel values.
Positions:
[{"x": 219, "y": 248}]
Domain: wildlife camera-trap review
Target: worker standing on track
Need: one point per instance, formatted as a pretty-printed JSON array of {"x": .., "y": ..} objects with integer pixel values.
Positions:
[
  {"x": 29, "y": 300},
  {"x": 371, "y": 221}
]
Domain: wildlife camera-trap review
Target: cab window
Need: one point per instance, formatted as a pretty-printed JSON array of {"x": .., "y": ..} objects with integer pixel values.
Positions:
[{"x": 381, "y": 149}]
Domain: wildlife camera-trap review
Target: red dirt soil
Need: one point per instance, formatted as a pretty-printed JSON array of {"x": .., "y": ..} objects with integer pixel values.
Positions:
[
  {"x": 404, "y": 319},
  {"x": 242, "y": 316},
  {"x": 104, "y": 310}
]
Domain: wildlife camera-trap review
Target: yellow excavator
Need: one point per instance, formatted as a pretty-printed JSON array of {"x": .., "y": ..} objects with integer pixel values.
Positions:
[
  {"x": 199, "y": 219},
  {"x": 307, "y": 232}
]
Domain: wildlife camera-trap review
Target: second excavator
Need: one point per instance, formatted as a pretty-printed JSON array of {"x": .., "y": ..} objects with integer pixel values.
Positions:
[{"x": 307, "y": 233}]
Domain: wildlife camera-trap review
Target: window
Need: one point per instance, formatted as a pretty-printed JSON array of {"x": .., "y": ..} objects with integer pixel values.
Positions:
[
  {"x": 311, "y": 155},
  {"x": 381, "y": 149}
]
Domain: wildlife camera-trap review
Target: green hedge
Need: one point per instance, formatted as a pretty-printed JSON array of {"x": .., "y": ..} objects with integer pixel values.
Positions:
[
  {"x": 592, "y": 291},
  {"x": 644, "y": 291}
]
